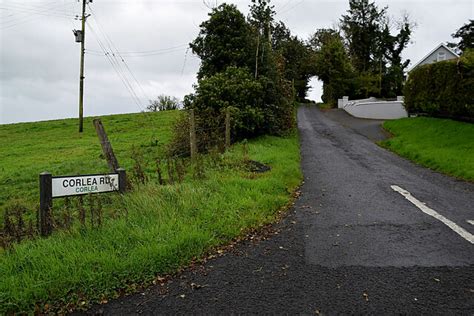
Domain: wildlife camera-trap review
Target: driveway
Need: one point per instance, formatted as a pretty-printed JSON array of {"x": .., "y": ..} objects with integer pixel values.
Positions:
[
  {"x": 371, "y": 129},
  {"x": 356, "y": 242}
]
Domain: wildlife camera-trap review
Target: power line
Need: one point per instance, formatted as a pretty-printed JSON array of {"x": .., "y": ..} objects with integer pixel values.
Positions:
[
  {"x": 114, "y": 51},
  {"x": 117, "y": 69},
  {"x": 285, "y": 5},
  {"x": 40, "y": 10},
  {"x": 156, "y": 50},
  {"x": 30, "y": 16},
  {"x": 292, "y": 7},
  {"x": 185, "y": 60},
  {"x": 151, "y": 53}
]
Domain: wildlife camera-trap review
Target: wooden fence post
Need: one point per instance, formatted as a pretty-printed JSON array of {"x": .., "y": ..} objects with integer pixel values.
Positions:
[
  {"x": 192, "y": 134},
  {"x": 106, "y": 146},
  {"x": 227, "y": 128},
  {"x": 46, "y": 204},
  {"x": 122, "y": 180}
]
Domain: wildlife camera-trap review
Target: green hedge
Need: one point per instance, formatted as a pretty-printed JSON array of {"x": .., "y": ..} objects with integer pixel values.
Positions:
[{"x": 442, "y": 89}]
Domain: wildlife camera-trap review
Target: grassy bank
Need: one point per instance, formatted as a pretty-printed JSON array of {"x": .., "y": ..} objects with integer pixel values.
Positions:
[
  {"x": 443, "y": 145},
  {"x": 27, "y": 149},
  {"x": 160, "y": 227}
]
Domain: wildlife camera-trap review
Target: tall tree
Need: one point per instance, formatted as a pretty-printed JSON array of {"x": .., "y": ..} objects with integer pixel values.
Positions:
[
  {"x": 332, "y": 64},
  {"x": 296, "y": 57},
  {"x": 362, "y": 26},
  {"x": 465, "y": 34},
  {"x": 224, "y": 40},
  {"x": 392, "y": 68},
  {"x": 236, "y": 61},
  {"x": 261, "y": 19},
  {"x": 375, "y": 48}
]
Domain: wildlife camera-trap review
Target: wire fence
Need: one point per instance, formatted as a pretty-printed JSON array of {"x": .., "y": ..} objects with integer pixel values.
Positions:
[{"x": 195, "y": 135}]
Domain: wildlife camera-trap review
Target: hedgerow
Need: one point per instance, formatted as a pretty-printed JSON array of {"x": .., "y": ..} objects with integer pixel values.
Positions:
[{"x": 442, "y": 89}]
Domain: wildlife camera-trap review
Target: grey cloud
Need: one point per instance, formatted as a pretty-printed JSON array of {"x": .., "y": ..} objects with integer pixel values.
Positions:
[{"x": 39, "y": 60}]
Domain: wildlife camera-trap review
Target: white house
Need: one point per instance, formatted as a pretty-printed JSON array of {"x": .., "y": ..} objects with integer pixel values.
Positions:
[{"x": 440, "y": 53}]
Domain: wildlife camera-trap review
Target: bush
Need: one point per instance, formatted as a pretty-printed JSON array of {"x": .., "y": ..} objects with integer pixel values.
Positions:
[
  {"x": 235, "y": 88},
  {"x": 442, "y": 89},
  {"x": 257, "y": 107}
]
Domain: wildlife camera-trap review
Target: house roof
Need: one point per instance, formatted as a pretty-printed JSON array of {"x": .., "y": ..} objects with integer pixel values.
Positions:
[{"x": 429, "y": 54}]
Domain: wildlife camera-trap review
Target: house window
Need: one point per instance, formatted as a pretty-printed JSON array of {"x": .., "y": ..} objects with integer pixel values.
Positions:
[{"x": 441, "y": 56}]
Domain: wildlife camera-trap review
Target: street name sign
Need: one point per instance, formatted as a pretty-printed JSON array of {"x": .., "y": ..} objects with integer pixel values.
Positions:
[
  {"x": 62, "y": 186},
  {"x": 84, "y": 184}
]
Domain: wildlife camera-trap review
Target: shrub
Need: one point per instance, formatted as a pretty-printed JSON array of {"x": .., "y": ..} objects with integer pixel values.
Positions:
[
  {"x": 235, "y": 88},
  {"x": 442, "y": 89}
]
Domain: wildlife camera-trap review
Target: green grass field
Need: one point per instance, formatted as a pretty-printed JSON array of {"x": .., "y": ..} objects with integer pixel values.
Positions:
[
  {"x": 440, "y": 144},
  {"x": 27, "y": 149},
  {"x": 162, "y": 227}
]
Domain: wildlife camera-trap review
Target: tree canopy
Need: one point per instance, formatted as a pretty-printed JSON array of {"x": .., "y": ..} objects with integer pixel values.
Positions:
[
  {"x": 364, "y": 57},
  {"x": 465, "y": 34},
  {"x": 246, "y": 68},
  {"x": 224, "y": 40}
]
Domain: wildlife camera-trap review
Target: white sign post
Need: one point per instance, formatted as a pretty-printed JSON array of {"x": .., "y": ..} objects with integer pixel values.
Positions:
[
  {"x": 56, "y": 187},
  {"x": 68, "y": 186}
]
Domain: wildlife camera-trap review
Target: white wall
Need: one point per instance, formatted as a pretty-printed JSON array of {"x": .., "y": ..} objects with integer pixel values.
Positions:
[{"x": 383, "y": 110}]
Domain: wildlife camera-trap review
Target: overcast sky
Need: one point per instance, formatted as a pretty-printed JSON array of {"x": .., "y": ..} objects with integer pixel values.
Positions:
[{"x": 39, "y": 61}]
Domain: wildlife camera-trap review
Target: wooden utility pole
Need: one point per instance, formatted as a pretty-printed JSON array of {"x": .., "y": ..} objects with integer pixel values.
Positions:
[{"x": 81, "y": 76}]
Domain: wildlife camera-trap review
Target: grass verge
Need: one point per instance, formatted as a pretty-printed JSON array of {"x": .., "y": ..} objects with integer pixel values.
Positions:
[
  {"x": 164, "y": 228},
  {"x": 440, "y": 144}
]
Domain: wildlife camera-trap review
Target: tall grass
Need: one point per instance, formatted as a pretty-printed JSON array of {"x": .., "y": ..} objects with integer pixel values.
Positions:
[
  {"x": 162, "y": 228},
  {"x": 27, "y": 149},
  {"x": 440, "y": 144}
]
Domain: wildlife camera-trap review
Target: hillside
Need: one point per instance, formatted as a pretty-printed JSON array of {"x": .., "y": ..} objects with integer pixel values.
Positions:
[{"x": 27, "y": 149}]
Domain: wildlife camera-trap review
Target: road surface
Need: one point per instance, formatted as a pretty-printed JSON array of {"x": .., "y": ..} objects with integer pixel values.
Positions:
[{"x": 370, "y": 234}]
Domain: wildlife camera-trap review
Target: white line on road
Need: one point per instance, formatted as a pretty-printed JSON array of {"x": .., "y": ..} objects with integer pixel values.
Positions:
[
  {"x": 425, "y": 209},
  {"x": 470, "y": 221}
]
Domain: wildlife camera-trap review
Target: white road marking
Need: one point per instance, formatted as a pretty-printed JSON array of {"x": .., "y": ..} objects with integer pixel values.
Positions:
[
  {"x": 425, "y": 209},
  {"x": 470, "y": 221}
]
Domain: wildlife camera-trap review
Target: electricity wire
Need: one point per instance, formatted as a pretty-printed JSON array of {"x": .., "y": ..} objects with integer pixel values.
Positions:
[
  {"x": 155, "y": 52},
  {"x": 43, "y": 11},
  {"x": 110, "y": 51},
  {"x": 185, "y": 60},
  {"x": 292, "y": 7},
  {"x": 35, "y": 14},
  {"x": 285, "y": 5},
  {"x": 119, "y": 73},
  {"x": 115, "y": 51}
]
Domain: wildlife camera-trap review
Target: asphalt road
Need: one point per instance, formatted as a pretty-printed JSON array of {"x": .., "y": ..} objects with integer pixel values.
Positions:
[
  {"x": 351, "y": 245},
  {"x": 370, "y": 128}
]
